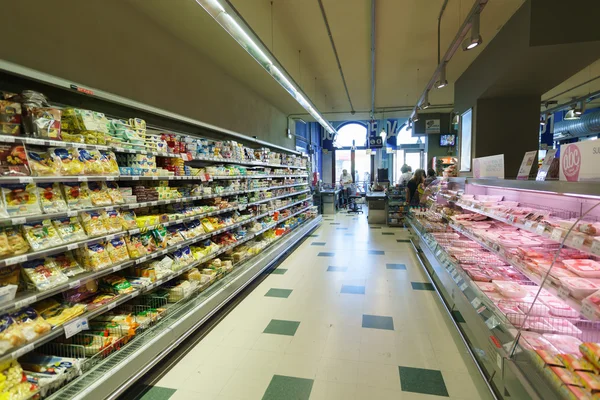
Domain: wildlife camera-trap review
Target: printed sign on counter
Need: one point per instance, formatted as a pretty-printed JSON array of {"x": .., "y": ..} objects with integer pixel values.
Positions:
[
  {"x": 526, "y": 165},
  {"x": 544, "y": 171},
  {"x": 579, "y": 161},
  {"x": 489, "y": 167}
]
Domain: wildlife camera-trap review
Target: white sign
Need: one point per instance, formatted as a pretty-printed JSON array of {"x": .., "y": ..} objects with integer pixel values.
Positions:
[
  {"x": 432, "y": 126},
  {"x": 543, "y": 171},
  {"x": 526, "y": 165},
  {"x": 489, "y": 167},
  {"x": 579, "y": 161},
  {"x": 74, "y": 327}
]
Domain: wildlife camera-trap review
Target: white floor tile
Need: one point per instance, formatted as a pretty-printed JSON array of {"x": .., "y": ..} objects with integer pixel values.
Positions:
[
  {"x": 209, "y": 379},
  {"x": 297, "y": 365},
  {"x": 326, "y": 390},
  {"x": 340, "y": 371}
]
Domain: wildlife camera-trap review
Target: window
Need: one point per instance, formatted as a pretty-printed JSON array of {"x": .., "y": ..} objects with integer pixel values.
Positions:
[{"x": 353, "y": 131}]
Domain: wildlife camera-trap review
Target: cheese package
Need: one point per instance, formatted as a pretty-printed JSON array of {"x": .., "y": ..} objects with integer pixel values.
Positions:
[
  {"x": 91, "y": 162},
  {"x": 93, "y": 223},
  {"x": 67, "y": 161},
  {"x": 51, "y": 198},
  {"x": 134, "y": 246},
  {"x": 94, "y": 257},
  {"x": 44, "y": 273},
  {"x": 67, "y": 263},
  {"x": 21, "y": 199},
  {"x": 114, "y": 193},
  {"x": 77, "y": 195},
  {"x": 69, "y": 229},
  {"x": 99, "y": 194},
  {"x": 117, "y": 250},
  {"x": 41, "y": 163},
  {"x": 41, "y": 235}
]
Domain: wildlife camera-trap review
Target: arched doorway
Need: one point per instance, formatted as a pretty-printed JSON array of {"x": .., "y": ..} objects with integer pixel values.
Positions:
[{"x": 352, "y": 137}]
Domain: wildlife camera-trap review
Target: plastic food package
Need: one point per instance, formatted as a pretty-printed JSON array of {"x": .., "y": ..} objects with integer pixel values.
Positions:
[
  {"x": 13, "y": 160},
  {"x": 583, "y": 267},
  {"x": 160, "y": 236},
  {"x": 16, "y": 241},
  {"x": 85, "y": 291},
  {"x": 56, "y": 313},
  {"x": 134, "y": 246},
  {"x": 67, "y": 264},
  {"x": 116, "y": 284},
  {"x": 69, "y": 229},
  {"x": 108, "y": 160},
  {"x": 591, "y": 351},
  {"x": 91, "y": 162},
  {"x": 9, "y": 275},
  {"x": 10, "y": 336},
  {"x": 117, "y": 250},
  {"x": 77, "y": 195},
  {"x": 114, "y": 193},
  {"x": 93, "y": 223},
  {"x": 41, "y": 235},
  {"x": 29, "y": 323},
  {"x": 99, "y": 194},
  {"x": 112, "y": 221},
  {"x": 574, "y": 362},
  {"x": 51, "y": 198},
  {"x": 128, "y": 220},
  {"x": 67, "y": 161},
  {"x": 5, "y": 249},
  {"x": 510, "y": 289},
  {"x": 564, "y": 343},
  {"x": 10, "y": 117},
  {"x": 580, "y": 288},
  {"x": 44, "y": 273},
  {"x": 95, "y": 257},
  {"x": 41, "y": 163},
  {"x": 559, "y": 308},
  {"x": 148, "y": 242},
  {"x": 21, "y": 199},
  {"x": 45, "y": 122}
]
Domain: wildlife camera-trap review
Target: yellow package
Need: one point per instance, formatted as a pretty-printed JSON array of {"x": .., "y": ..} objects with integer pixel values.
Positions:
[
  {"x": 206, "y": 224},
  {"x": 5, "y": 249},
  {"x": 68, "y": 161},
  {"x": 16, "y": 241},
  {"x": 93, "y": 223},
  {"x": 135, "y": 247},
  {"x": 40, "y": 162},
  {"x": 91, "y": 162},
  {"x": 95, "y": 257},
  {"x": 128, "y": 219},
  {"x": 21, "y": 199},
  {"x": 117, "y": 250},
  {"x": 108, "y": 160},
  {"x": 77, "y": 195},
  {"x": 42, "y": 235},
  {"x": 112, "y": 221},
  {"x": 99, "y": 194},
  {"x": 115, "y": 193}
]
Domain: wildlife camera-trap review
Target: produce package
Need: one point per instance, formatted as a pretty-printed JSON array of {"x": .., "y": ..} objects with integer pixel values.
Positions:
[
  {"x": 81, "y": 293},
  {"x": 41, "y": 235},
  {"x": 51, "y": 198},
  {"x": 14, "y": 385},
  {"x": 44, "y": 273},
  {"x": 21, "y": 199},
  {"x": 77, "y": 195},
  {"x": 69, "y": 229},
  {"x": 13, "y": 160}
]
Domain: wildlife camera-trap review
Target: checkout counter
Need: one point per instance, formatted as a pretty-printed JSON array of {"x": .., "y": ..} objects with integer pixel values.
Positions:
[
  {"x": 377, "y": 207},
  {"x": 329, "y": 200}
]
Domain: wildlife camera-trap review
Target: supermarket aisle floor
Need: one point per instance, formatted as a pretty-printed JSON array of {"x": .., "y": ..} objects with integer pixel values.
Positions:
[{"x": 349, "y": 315}]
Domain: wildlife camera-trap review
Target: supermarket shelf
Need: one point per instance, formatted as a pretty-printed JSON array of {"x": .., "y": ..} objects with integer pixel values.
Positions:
[
  {"x": 116, "y": 373},
  {"x": 533, "y": 277},
  {"x": 575, "y": 240},
  {"x": 555, "y": 187},
  {"x": 59, "y": 330}
]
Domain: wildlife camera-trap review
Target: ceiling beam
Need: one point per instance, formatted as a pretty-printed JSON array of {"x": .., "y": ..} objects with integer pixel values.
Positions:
[{"x": 372, "y": 58}]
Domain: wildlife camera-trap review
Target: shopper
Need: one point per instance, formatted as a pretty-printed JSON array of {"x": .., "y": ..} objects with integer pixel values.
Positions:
[
  {"x": 431, "y": 176},
  {"x": 405, "y": 176},
  {"x": 412, "y": 187},
  {"x": 345, "y": 183}
]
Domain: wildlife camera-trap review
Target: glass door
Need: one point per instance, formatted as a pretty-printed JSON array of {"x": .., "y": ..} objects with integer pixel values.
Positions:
[{"x": 414, "y": 158}]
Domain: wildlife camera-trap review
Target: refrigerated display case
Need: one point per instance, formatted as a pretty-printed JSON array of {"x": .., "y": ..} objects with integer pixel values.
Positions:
[
  {"x": 517, "y": 262},
  {"x": 123, "y": 228}
]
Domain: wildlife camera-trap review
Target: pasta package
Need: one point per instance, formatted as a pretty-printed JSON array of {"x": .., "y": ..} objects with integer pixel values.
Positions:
[
  {"x": 13, "y": 160},
  {"x": 41, "y": 163},
  {"x": 21, "y": 199},
  {"x": 112, "y": 221},
  {"x": 67, "y": 264},
  {"x": 95, "y": 257},
  {"x": 10, "y": 275},
  {"x": 67, "y": 161},
  {"x": 160, "y": 236},
  {"x": 99, "y": 194},
  {"x": 41, "y": 235},
  {"x": 115, "y": 194},
  {"x": 45, "y": 122},
  {"x": 16, "y": 241},
  {"x": 108, "y": 160},
  {"x": 44, "y": 273},
  {"x": 148, "y": 242},
  {"x": 5, "y": 249},
  {"x": 128, "y": 220},
  {"x": 117, "y": 250},
  {"x": 91, "y": 162},
  {"x": 77, "y": 195},
  {"x": 93, "y": 223},
  {"x": 134, "y": 246},
  {"x": 51, "y": 198},
  {"x": 69, "y": 229}
]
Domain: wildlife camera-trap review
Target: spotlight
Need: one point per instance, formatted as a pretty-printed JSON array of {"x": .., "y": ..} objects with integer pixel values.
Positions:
[
  {"x": 579, "y": 108},
  {"x": 442, "y": 82},
  {"x": 475, "y": 39},
  {"x": 425, "y": 104},
  {"x": 571, "y": 115},
  {"x": 415, "y": 117}
]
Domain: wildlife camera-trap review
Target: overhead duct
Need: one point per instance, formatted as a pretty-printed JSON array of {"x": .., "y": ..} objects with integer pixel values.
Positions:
[{"x": 588, "y": 124}]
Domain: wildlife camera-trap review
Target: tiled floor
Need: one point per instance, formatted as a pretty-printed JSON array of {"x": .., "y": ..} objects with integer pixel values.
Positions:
[{"x": 352, "y": 319}]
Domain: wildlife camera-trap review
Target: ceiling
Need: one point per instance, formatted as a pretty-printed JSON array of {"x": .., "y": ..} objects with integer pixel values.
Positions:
[{"x": 294, "y": 31}]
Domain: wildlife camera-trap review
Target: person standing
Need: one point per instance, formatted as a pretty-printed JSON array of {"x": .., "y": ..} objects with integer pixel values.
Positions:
[
  {"x": 405, "y": 176},
  {"x": 412, "y": 187},
  {"x": 345, "y": 183},
  {"x": 431, "y": 176}
]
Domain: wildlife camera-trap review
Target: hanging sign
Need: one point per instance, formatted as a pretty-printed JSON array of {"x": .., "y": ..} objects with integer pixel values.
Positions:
[
  {"x": 526, "y": 165},
  {"x": 489, "y": 167},
  {"x": 375, "y": 142},
  {"x": 432, "y": 126},
  {"x": 579, "y": 161},
  {"x": 544, "y": 170}
]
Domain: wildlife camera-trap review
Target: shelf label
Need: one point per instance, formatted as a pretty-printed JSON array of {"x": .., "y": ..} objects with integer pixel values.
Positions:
[
  {"x": 82, "y": 178},
  {"x": 72, "y": 246},
  {"x": 71, "y": 213},
  {"x": 476, "y": 302},
  {"x": 578, "y": 241},
  {"x": 25, "y": 302},
  {"x": 74, "y": 327},
  {"x": 587, "y": 310},
  {"x": 563, "y": 293},
  {"x": 74, "y": 284},
  {"x": 464, "y": 286},
  {"x": 541, "y": 228},
  {"x": 499, "y": 361},
  {"x": 184, "y": 157},
  {"x": 556, "y": 234},
  {"x": 110, "y": 306},
  {"x": 25, "y": 180},
  {"x": 492, "y": 322},
  {"x": 155, "y": 178},
  {"x": 135, "y": 178},
  {"x": 529, "y": 224},
  {"x": 23, "y": 350},
  {"x": 18, "y": 221},
  {"x": 481, "y": 309},
  {"x": 16, "y": 260}
]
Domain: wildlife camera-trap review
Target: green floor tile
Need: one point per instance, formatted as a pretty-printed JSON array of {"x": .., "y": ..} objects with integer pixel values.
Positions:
[
  {"x": 395, "y": 266},
  {"x": 279, "y": 271},
  {"x": 402, "y": 240},
  {"x": 388, "y": 233},
  {"x": 317, "y": 244},
  {"x": 288, "y": 388},
  {"x": 336, "y": 269},
  {"x": 377, "y": 252},
  {"x": 424, "y": 381},
  {"x": 422, "y": 286},
  {"x": 377, "y": 322},
  {"x": 157, "y": 393},
  {"x": 458, "y": 317},
  {"x": 282, "y": 293},
  {"x": 326, "y": 254},
  {"x": 353, "y": 289},
  {"x": 281, "y": 327}
]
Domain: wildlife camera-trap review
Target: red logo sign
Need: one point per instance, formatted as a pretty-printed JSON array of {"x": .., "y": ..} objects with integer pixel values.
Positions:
[{"x": 571, "y": 162}]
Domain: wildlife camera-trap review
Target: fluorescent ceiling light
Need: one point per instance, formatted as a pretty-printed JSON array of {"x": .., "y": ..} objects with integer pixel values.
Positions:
[
  {"x": 442, "y": 82},
  {"x": 227, "y": 17},
  {"x": 475, "y": 39}
]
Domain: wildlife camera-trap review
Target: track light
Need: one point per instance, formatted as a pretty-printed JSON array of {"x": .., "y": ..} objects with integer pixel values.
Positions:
[
  {"x": 415, "y": 117},
  {"x": 543, "y": 120},
  {"x": 579, "y": 108},
  {"x": 571, "y": 115},
  {"x": 425, "y": 104},
  {"x": 475, "y": 39},
  {"x": 456, "y": 119},
  {"x": 442, "y": 82}
]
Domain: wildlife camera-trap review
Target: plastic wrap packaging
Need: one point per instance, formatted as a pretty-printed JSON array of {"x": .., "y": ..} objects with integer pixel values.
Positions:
[
  {"x": 56, "y": 313},
  {"x": 44, "y": 273},
  {"x": 69, "y": 229},
  {"x": 67, "y": 263},
  {"x": 13, "y": 160},
  {"x": 77, "y": 195},
  {"x": 30, "y": 323},
  {"x": 81, "y": 293},
  {"x": 116, "y": 284},
  {"x": 10, "y": 117},
  {"x": 16, "y": 241},
  {"x": 94, "y": 257},
  {"x": 112, "y": 221},
  {"x": 128, "y": 219},
  {"x": 94, "y": 223},
  {"x": 117, "y": 250},
  {"x": 99, "y": 194},
  {"x": 67, "y": 161},
  {"x": 108, "y": 160},
  {"x": 91, "y": 162},
  {"x": 115, "y": 193},
  {"x": 21, "y": 199},
  {"x": 134, "y": 246},
  {"x": 41, "y": 235},
  {"x": 160, "y": 236},
  {"x": 45, "y": 122},
  {"x": 40, "y": 162},
  {"x": 10, "y": 336},
  {"x": 51, "y": 198},
  {"x": 148, "y": 242}
]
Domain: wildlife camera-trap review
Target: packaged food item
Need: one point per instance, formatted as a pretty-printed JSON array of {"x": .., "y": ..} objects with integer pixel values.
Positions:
[
  {"x": 565, "y": 376},
  {"x": 91, "y": 162},
  {"x": 81, "y": 293},
  {"x": 114, "y": 192},
  {"x": 584, "y": 267},
  {"x": 550, "y": 358},
  {"x": 564, "y": 343},
  {"x": 13, "y": 160},
  {"x": 558, "y": 307},
  {"x": 116, "y": 284},
  {"x": 112, "y": 221},
  {"x": 510, "y": 289},
  {"x": 93, "y": 223},
  {"x": 69, "y": 229},
  {"x": 174, "y": 234},
  {"x": 590, "y": 380},
  {"x": 67, "y": 161},
  {"x": 5, "y": 249},
  {"x": 99, "y": 194},
  {"x": 128, "y": 219},
  {"x": 16, "y": 241},
  {"x": 67, "y": 264},
  {"x": 10, "y": 117},
  {"x": 56, "y": 313},
  {"x": 10, "y": 336},
  {"x": 30, "y": 324},
  {"x": 148, "y": 242},
  {"x": 134, "y": 246},
  {"x": 44, "y": 273},
  {"x": 9, "y": 275},
  {"x": 117, "y": 250},
  {"x": 51, "y": 198},
  {"x": 95, "y": 257},
  {"x": 160, "y": 236},
  {"x": 41, "y": 235},
  {"x": 591, "y": 351},
  {"x": 21, "y": 199},
  {"x": 77, "y": 195},
  {"x": 40, "y": 162},
  {"x": 46, "y": 122},
  {"x": 108, "y": 160},
  {"x": 575, "y": 362}
]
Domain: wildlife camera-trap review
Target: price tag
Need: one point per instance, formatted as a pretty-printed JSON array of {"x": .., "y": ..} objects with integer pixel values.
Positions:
[
  {"x": 563, "y": 293},
  {"x": 529, "y": 224},
  {"x": 16, "y": 260},
  {"x": 587, "y": 311},
  {"x": 74, "y": 327},
  {"x": 111, "y": 305},
  {"x": 578, "y": 241},
  {"x": 481, "y": 309},
  {"x": 23, "y": 350},
  {"x": 155, "y": 178},
  {"x": 72, "y": 246},
  {"x": 82, "y": 178},
  {"x": 541, "y": 228},
  {"x": 135, "y": 178},
  {"x": 110, "y": 178},
  {"x": 8, "y": 139},
  {"x": 464, "y": 286},
  {"x": 25, "y": 302},
  {"x": 71, "y": 213},
  {"x": 476, "y": 302},
  {"x": 184, "y": 157},
  {"x": 596, "y": 247},
  {"x": 499, "y": 361},
  {"x": 557, "y": 234},
  {"x": 25, "y": 180},
  {"x": 74, "y": 284},
  {"x": 18, "y": 221},
  {"x": 36, "y": 141},
  {"x": 492, "y": 322}
]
